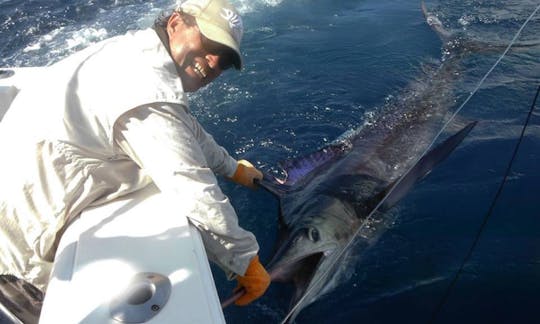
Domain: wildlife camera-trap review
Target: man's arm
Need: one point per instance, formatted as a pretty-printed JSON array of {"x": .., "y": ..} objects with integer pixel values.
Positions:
[
  {"x": 164, "y": 143},
  {"x": 241, "y": 172}
]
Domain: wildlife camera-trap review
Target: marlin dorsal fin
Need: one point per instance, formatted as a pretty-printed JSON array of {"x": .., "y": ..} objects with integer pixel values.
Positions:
[
  {"x": 299, "y": 168},
  {"x": 424, "y": 166}
]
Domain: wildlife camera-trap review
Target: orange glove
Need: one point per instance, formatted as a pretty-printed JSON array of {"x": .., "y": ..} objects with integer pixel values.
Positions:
[
  {"x": 246, "y": 173},
  {"x": 255, "y": 282}
]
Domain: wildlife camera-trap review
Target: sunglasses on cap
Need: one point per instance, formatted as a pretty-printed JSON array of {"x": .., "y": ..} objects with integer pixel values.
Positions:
[{"x": 225, "y": 54}]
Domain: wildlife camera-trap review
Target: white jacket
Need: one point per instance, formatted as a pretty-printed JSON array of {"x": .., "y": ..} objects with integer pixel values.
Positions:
[{"x": 97, "y": 125}]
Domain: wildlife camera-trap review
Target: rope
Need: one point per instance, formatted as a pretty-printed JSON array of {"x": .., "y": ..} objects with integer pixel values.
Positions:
[{"x": 370, "y": 216}]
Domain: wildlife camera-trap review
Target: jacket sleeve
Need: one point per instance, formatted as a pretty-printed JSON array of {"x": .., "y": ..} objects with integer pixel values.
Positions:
[{"x": 180, "y": 157}]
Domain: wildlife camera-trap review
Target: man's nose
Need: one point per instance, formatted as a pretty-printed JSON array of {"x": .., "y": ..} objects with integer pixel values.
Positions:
[{"x": 213, "y": 62}]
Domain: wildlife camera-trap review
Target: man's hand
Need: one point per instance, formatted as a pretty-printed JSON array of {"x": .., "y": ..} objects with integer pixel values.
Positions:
[
  {"x": 246, "y": 173},
  {"x": 255, "y": 281}
]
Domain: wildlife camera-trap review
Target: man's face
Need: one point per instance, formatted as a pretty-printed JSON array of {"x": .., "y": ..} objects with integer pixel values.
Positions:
[{"x": 197, "y": 57}]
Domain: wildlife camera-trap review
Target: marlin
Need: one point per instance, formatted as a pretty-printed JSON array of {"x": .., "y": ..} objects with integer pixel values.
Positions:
[{"x": 325, "y": 197}]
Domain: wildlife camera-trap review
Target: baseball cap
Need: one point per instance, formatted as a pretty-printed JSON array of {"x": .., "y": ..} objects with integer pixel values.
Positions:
[{"x": 218, "y": 21}]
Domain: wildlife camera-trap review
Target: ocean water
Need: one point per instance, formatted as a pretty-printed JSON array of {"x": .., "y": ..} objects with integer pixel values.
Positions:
[{"x": 317, "y": 69}]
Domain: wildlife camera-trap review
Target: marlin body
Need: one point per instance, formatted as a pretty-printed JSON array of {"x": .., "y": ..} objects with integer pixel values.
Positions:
[{"x": 327, "y": 196}]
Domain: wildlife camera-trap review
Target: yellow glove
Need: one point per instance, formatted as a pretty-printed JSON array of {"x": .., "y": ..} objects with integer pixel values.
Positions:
[
  {"x": 255, "y": 281},
  {"x": 246, "y": 173}
]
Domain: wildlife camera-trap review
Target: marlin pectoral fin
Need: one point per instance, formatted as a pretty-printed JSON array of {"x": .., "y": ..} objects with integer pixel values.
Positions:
[
  {"x": 424, "y": 166},
  {"x": 271, "y": 184}
]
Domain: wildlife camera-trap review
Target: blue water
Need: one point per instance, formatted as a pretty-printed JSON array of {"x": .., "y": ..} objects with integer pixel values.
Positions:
[{"x": 316, "y": 69}]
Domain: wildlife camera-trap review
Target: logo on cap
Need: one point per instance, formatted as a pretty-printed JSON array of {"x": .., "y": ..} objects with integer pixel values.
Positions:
[{"x": 235, "y": 23}]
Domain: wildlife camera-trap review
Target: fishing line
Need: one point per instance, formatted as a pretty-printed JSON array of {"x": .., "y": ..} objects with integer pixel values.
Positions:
[
  {"x": 452, "y": 117},
  {"x": 488, "y": 215}
]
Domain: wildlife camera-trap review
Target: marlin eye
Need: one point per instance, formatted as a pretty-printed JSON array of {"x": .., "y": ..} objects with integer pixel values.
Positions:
[{"x": 313, "y": 234}]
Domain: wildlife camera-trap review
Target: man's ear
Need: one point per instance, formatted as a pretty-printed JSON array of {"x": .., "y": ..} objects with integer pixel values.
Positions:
[{"x": 175, "y": 21}]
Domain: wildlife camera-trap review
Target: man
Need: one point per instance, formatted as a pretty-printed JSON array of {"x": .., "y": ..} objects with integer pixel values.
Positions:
[{"x": 111, "y": 119}]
